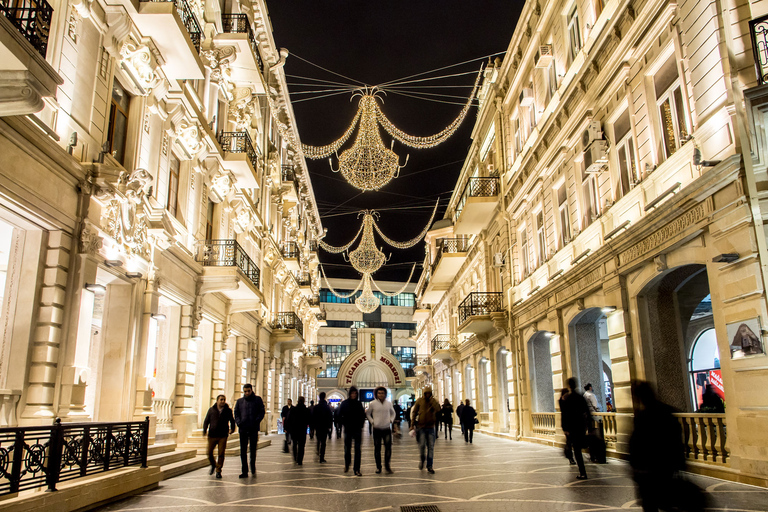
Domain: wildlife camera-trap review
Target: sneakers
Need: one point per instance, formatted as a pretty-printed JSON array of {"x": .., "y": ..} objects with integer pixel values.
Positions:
[
  {"x": 432, "y": 471},
  {"x": 378, "y": 471},
  {"x": 218, "y": 474},
  {"x": 581, "y": 477},
  {"x": 243, "y": 475}
]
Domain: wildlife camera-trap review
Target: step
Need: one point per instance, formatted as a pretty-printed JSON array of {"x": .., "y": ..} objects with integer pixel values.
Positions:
[
  {"x": 163, "y": 436},
  {"x": 158, "y": 448},
  {"x": 233, "y": 446},
  {"x": 198, "y": 435},
  {"x": 183, "y": 466},
  {"x": 164, "y": 459}
]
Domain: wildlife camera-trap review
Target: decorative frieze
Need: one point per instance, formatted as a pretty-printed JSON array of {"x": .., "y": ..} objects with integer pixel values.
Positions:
[{"x": 124, "y": 217}]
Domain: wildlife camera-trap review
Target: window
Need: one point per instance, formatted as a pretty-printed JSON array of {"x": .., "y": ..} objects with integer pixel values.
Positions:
[
  {"x": 625, "y": 153},
  {"x": 673, "y": 119},
  {"x": 551, "y": 80},
  {"x": 574, "y": 32},
  {"x": 565, "y": 215},
  {"x": 209, "y": 221},
  {"x": 705, "y": 367},
  {"x": 541, "y": 237},
  {"x": 173, "y": 186},
  {"x": 524, "y": 252},
  {"x": 598, "y": 8},
  {"x": 518, "y": 134},
  {"x": 406, "y": 356},
  {"x": 118, "y": 122},
  {"x": 334, "y": 357},
  {"x": 591, "y": 205}
]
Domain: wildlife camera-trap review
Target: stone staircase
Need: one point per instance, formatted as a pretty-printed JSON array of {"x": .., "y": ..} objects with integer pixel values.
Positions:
[
  {"x": 200, "y": 443},
  {"x": 172, "y": 459}
]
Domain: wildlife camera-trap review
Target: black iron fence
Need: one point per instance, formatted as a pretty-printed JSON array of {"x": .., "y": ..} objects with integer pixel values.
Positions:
[
  {"x": 423, "y": 361},
  {"x": 289, "y": 320},
  {"x": 313, "y": 352},
  {"x": 228, "y": 253},
  {"x": 314, "y": 301},
  {"x": 188, "y": 19},
  {"x": 290, "y": 250},
  {"x": 487, "y": 186},
  {"x": 32, "y": 18},
  {"x": 303, "y": 278},
  {"x": 33, "y": 457},
  {"x": 758, "y": 30},
  {"x": 449, "y": 246},
  {"x": 239, "y": 24},
  {"x": 443, "y": 342},
  {"x": 240, "y": 142},
  {"x": 479, "y": 304}
]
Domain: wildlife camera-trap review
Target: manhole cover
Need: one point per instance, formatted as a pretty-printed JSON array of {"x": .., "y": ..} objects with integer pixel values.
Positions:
[{"x": 419, "y": 508}]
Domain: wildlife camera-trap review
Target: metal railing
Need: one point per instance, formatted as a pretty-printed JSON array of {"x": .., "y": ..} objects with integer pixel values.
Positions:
[
  {"x": 443, "y": 342},
  {"x": 32, "y": 18},
  {"x": 290, "y": 250},
  {"x": 544, "y": 423},
  {"x": 477, "y": 187},
  {"x": 321, "y": 316},
  {"x": 313, "y": 352},
  {"x": 239, "y": 24},
  {"x": 34, "y": 457},
  {"x": 240, "y": 142},
  {"x": 188, "y": 19},
  {"x": 289, "y": 320},
  {"x": 423, "y": 361},
  {"x": 314, "y": 302},
  {"x": 704, "y": 436},
  {"x": 228, "y": 253},
  {"x": 163, "y": 409},
  {"x": 479, "y": 304},
  {"x": 288, "y": 173},
  {"x": 758, "y": 31},
  {"x": 303, "y": 278},
  {"x": 313, "y": 246},
  {"x": 449, "y": 246},
  {"x": 409, "y": 372}
]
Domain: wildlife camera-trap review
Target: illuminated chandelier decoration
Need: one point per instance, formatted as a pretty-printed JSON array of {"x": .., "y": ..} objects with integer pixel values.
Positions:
[
  {"x": 369, "y": 164},
  {"x": 367, "y": 302}
]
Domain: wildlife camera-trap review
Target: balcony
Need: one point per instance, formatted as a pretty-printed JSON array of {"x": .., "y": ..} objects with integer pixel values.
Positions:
[
  {"x": 444, "y": 348},
  {"x": 241, "y": 157},
  {"x": 304, "y": 280},
  {"x": 177, "y": 34},
  {"x": 423, "y": 364},
  {"x": 290, "y": 183},
  {"x": 313, "y": 358},
  {"x": 237, "y": 32},
  {"x": 476, "y": 312},
  {"x": 477, "y": 202},
  {"x": 288, "y": 331},
  {"x": 450, "y": 256},
  {"x": 291, "y": 255},
  {"x": 314, "y": 304},
  {"x": 27, "y": 77},
  {"x": 421, "y": 313},
  {"x": 224, "y": 263}
]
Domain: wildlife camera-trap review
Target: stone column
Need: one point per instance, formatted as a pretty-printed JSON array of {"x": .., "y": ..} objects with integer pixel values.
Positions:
[
  {"x": 47, "y": 336},
  {"x": 241, "y": 366},
  {"x": 218, "y": 364},
  {"x": 184, "y": 415},
  {"x": 143, "y": 405}
]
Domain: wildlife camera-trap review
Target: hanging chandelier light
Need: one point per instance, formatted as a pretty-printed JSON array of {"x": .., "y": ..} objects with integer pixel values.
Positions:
[
  {"x": 367, "y": 302},
  {"x": 367, "y": 258}
]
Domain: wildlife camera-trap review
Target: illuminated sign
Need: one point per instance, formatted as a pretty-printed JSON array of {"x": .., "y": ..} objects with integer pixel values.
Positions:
[
  {"x": 373, "y": 344},
  {"x": 348, "y": 377}
]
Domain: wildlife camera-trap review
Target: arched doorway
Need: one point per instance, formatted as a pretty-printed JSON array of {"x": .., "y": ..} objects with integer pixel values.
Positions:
[
  {"x": 469, "y": 384},
  {"x": 704, "y": 366},
  {"x": 676, "y": 315},
  {"x": 540, "y": 373},
  {"x": 590, "y": 354}
]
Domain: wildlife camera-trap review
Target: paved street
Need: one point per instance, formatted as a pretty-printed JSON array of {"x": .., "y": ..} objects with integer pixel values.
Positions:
[{"x": 490, "y": 475}]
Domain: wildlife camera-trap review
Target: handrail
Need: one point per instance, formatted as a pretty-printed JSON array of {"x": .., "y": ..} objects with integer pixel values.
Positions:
[
  {"x": 238, "y": 23},
  {"x": 486, "y": 186},
  {"x": 290, "y": 249},
  {"x": 188, "y": 19},
  {"x": 758, "y": 31},
  {"x": 705, "y": 437},
  {"x": 423, "y": 361},
  {"x": 229, "y": 253},
  {"x": 479, "y": 304},
  {"x": 32, "y": 18},
  {"x": 443, "y": 342},
  {"x": 289, "y": 320},
  {"x": 449, "y": 246},
  {"x": 240, "y": 142},
  {"x": 46, "y": 455},
  {"x": 544, "y": 423}
]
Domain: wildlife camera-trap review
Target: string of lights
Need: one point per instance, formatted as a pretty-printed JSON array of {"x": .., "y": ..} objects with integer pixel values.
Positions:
[
  {"x": 336, "y": 250},
  {"x": 367, "y": 302},
  {"x": 401, "y": 290},
  {"x": 413, "y": 241},
  {"x": 367, "y": 258},
  {"x": 339, "y": 295},
  {"x": 318, "y": 152}
]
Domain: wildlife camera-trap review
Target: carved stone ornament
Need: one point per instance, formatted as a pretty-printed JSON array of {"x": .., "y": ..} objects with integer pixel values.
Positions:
[
  {"x": 190, "y": 138},
  {"x": 137, "y": 60},
  {"x": 242, "y": 108},
  {"x": 90, "y": 241},
  {"x": 242, "y": 214},
  {"x": 220, "y": 62},
  {"x": 220, "y": 185},
  {"x": 124, "y": 218}
]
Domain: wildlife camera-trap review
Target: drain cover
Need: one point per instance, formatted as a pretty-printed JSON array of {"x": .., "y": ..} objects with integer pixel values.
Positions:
[{"x": 419, "y": 508}]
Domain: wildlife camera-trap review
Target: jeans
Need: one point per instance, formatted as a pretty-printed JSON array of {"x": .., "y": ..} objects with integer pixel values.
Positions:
[
  {"x": 379, "y": 435},
  {"x": 469, "y": 431},
  {"x": 246, "y": 437},
  {"x": 357, "y": 437},
  {"x": 577, "y": 443},
  {"x": 221, "y": 443},
  {"x": 448, "y": 430},
  {"x": 298, "y": 447},
  {"x": 426, "y": 438},
  {"x": 287, "y": 441},
  {"x": 322, "y": 437}
]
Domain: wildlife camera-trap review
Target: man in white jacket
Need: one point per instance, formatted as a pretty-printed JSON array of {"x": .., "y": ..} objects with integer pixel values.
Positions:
[{"x": 381, "y": 414}]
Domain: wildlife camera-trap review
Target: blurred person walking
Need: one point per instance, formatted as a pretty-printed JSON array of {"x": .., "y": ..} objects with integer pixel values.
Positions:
[
  {"x": 424, "y": 415},
  {"x": 468, "y": 420},
  {"x": 286, "y": 427},
  {"x": 446, "y": 415},
  {"x": 575, "y": 420},
  {"x": 299, "y": 419},
  {"x": 322, "y": 421},
  {"x": 219, "y": 423},
  {"x": 249, "y": 411},
  {"x": 352, "y": 417},
  {"x": 458, "y": 415},
  {"x": 381, "y": 414}
]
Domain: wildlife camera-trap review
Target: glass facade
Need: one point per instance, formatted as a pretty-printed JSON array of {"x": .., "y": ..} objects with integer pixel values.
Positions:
[
  {"x": 334, "y": 356},
  {"x": 402, "y": 299}
]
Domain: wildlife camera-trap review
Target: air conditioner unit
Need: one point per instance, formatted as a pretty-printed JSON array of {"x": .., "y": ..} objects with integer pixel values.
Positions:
[
  {"x": 593, "y": 132},
  {"x": 596, "y": 156},
  {"x": 544, "y": 56},
  {"x": 526, "y": 97},
  {"x": 498, "y": 259}
]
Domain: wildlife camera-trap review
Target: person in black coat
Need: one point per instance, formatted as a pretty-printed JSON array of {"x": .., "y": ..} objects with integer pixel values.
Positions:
[
  {"x": 446, "y": 416},
  {"x": 337, "y": 420},
  {"x": 322, "y": 422},
  {"x": 284, "y": 415},
  {"x": 458, "y": 415},
  {"x": 218, "y": 424},
  {"x": 249, "y": 411},
  {"x": 575, "y": 420},
  {"x": 352, "y": 417},
  {"x": 298, "y": 421},
  {"x": 468, "y": 415}
]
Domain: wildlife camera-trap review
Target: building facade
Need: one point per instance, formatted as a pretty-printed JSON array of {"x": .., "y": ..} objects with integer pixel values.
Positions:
[
  {"x": 608, "y": 225},
  {"x": 159, "y": 228}
]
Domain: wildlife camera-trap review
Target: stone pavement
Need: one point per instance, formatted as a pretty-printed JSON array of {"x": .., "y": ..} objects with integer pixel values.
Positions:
[{"x": 490, "y": 475}]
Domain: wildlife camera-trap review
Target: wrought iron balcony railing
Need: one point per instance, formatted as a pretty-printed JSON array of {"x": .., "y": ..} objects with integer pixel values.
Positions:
[
  {"x": 239, "y": 24},
  {"x": 229, "y": 253},
  {"x": 314, "y": 301},
  {"x": 423, "y": 361},
  {"x": 290, "y": 250},
  {"x": 313, "y": 352},
  {"x": 240, "y": 142},
  {"x": 449, "y": 246},
  {"x": 313, "y": 245},
  {"x": 32, "y": 18},
  {"x": 487, "y": 186},
  {"x": 303, "y": 278},
  {"x": 443, "y": 342},
  {"x": 479, "y": 304},
  {"x": 758, "y": 30},
  {"x": 409, "y": 372},
  {"x": 289, "y": 320},
  {"x": 321, "y": 316},
  {"x": 35, "y": 457},
  {"x": 188, "y": 19}
]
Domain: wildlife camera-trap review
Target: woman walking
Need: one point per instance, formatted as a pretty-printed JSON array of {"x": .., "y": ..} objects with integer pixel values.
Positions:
[
  {"x": 298, "y": 422},
  {"x": 215, "y": 425},
  {"x": 446, "y": 414},
  {"x": 468, "y": 416}
]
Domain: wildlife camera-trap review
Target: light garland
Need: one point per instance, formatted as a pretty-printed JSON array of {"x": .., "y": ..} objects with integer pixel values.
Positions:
[
  {"x": 413, "y": 241},
  {"x": 401, "y": 290},
  {"x": 336, "y": 250},
  {"x": 367, "y": 258},
  {"x": 367, "y": 302},
  {"x": 339, "y": 295},
  {"x": 318, "y": 152}
]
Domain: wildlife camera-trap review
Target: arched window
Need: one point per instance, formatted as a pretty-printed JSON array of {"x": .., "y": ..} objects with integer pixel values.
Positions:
[{"x": 704, "y": 366}]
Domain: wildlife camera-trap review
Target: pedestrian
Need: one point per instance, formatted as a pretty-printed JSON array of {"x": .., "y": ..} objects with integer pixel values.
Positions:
[
  {"x": 408, "y": 415},
  {"x": 299, "y": 419},
  {"x": 249, "y": 411},
  {"x": 311, "y": 428},
  {"x": 352, "y": 417},
  {"x": 337, "y": 420},
  {"x": 568, "y": 450},
  {"x": 424, "y": 415},
  {"x": 381, "y": 414},
  {"x": 219, "y": 423},
  {"x": 286, "y": 428},
  {"x": 591, "y": 399},
  {"x": 322, "y": 421},
  {"x": 398, "y": 419},
  {"x": 446, "y": 415},
  {"x": 468, "y": 420},
  {"x": 575, "y": 420},
  {"x": 711, "y": 401},
  {"x": 459, "y": 409}
]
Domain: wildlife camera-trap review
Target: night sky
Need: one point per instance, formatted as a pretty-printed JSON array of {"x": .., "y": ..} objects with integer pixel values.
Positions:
[{"x": 377, "y": 41}]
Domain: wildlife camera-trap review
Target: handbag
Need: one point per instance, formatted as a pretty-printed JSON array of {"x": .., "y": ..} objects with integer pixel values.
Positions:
[{"x": 477, "y": 421}]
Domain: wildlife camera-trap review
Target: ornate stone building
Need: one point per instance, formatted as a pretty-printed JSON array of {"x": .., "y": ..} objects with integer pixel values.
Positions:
[
  {"x": 608, "y": 225},
  {"x": 158, "y": 228}
]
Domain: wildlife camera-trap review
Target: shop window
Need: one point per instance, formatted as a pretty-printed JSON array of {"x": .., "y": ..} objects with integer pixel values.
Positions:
[
  {"x": 625, "y": 154},
  {"x": 705, "y": 367},
  {"x": 565, "y": 215},
  {"x": 173, "y": 186},
  {"x": 673, "y": 119},
  {"x": 118, "y": 121},
  {"x": 574, "y": 32}
]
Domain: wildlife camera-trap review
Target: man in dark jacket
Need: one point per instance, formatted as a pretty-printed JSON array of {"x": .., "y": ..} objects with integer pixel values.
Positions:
[
  {"x": 575, "y": 419},
  {"x": 249, "y": 411},
  {"x": 311, "y": 428},
  {"x": 286, "y": 429},
  {"x": 423, "y": 419},
  {"x": 458, "y": 413},
  {"x": 322, "y": 421},
  {"x": 299, "y": 419},
  {"x": 352, "y": 417},
  {"x": 468, "y": 416},
  {"x": 216, "y": 424}
]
